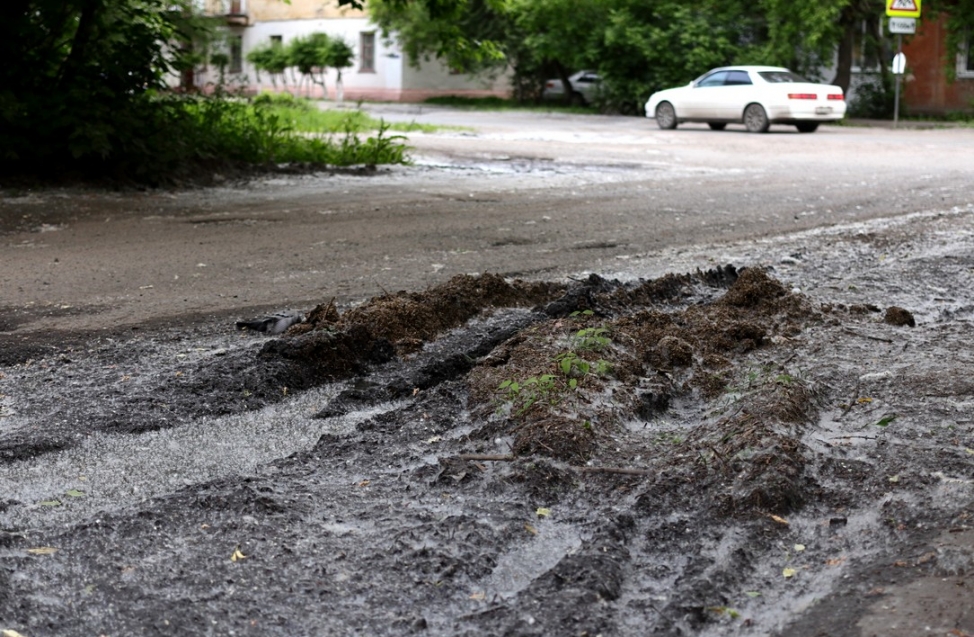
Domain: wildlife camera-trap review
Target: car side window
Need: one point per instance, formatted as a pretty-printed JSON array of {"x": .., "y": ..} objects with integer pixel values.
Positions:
[
  {"x": 737, "y": 78},
  {"x": 714, "y": 79}
]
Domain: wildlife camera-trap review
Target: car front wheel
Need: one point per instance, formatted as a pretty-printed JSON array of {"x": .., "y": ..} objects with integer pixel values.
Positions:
[
  {"x": 666, "y": 116},
  {"x": 806, "y": 127},
  {"x": 755, "y": 119}
]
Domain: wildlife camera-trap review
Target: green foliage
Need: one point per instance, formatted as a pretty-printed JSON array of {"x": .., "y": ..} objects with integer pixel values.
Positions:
[
  {"x": 88, "y": 96},
  {"x": 341, "y": 55},
  {"x": 272, "y": 59},
  {"x": 591, "y": 338},
  {"x": 309, "y": 53},
  {"x": 526, "y": 394},
  {"x": 466, "y": 35},
  {"x": 571, "y": 370},
  {"x": 874, "y": 98}
]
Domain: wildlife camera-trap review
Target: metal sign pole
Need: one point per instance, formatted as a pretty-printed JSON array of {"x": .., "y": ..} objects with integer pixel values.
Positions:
[{"x": 896, "y": 103}]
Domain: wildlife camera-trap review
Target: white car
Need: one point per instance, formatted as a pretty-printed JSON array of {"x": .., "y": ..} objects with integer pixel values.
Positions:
[{"x": 756, "y": 96}]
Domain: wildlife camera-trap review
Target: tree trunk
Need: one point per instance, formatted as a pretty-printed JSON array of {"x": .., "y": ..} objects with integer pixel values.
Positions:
[
  {"x": 843, "y": 65},
  {"x": 565, "y": 82},
  {"x": 82, "y": 36}
]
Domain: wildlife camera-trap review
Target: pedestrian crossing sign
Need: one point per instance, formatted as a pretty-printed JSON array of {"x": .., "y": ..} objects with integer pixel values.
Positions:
[{"x": 903, "y": 8}]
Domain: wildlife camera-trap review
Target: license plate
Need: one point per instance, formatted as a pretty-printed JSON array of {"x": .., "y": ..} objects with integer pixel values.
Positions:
[{"x": 823, "y": 110}]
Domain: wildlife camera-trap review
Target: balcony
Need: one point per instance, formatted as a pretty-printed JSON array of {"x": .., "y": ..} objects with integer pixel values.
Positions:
[{"x": 236, "y": 15}]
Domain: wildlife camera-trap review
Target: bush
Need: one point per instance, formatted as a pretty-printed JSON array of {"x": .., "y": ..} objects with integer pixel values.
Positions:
[{"x": 874, "y": 98}]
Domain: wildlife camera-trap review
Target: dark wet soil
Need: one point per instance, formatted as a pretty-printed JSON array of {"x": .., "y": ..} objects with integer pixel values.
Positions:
[{"x": 710, "y": 452}]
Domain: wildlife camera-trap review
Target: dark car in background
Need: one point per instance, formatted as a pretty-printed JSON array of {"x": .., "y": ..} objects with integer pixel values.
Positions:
[{"x": 585, "y": 86}]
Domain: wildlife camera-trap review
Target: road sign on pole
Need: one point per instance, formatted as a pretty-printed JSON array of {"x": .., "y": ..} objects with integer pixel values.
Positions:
[
  {"x": 903, "y": 25},
  {"x": 899, "y": 63},
  {"x": 903, "y": 8}
]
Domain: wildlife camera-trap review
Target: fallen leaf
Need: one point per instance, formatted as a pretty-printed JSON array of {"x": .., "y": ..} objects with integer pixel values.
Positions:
[
  {"x": 865, "y": 400},
  {"x": 724, "y": 610},
  {"x": 901, "y": 563},
  {"x": 43, "y": 550},
  {"x": 364, "y": 483},
  {"x": 834, "y": 561},
  {"x": 885, "y": 420},
  {"x": 752, "y": 594},
  {"x": 969, "y": 451},
  {"x": 543, "y": 512},
  {"x": 10, "y": 633},
  {"x": 479, "y": 596},
  {"x": 530, "y": 529},
  {"x": 434, "y": 439},
  {"x": 50, "y": 503},
  {"x": 789, "y": 572},
  {"x": 74, "y": 493},
  {"x": 778, "y": 519},
  {"x": 799, "y": 548},
  {"x": 926, "y": 557},
  {"x": 237, "y": 555}
]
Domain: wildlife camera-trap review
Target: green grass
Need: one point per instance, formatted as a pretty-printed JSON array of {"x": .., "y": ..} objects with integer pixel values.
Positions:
[
  {"x": 303, "y": 115},
  {"x": 277, "y": 131}
]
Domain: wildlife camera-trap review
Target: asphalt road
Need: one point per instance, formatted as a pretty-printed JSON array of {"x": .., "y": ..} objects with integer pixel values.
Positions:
[{"x": 526, "y": 194}]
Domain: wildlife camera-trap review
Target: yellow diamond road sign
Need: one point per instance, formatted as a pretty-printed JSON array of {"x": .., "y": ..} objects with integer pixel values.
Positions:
[{"x": 903, "y": 8}]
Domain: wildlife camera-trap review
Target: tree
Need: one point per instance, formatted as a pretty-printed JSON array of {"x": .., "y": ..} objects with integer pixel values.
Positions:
[
  {"x": 272, "y": 59},
  {"x": 558, "y": 37},
  {"x": 340, "y": 56},
  {"x": 310, "y": 54},
  {"x": 466, "y": 35},
  {"x": 79, "y": 76}
]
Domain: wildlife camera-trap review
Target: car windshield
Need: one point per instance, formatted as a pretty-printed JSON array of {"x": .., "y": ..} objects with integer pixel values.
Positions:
[{"x": 781, "y": 77}]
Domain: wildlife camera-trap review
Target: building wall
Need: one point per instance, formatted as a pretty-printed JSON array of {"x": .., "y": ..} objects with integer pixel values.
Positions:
[
  {"x": 927, "y": 89},
  {"x": 391, "y": 79}
]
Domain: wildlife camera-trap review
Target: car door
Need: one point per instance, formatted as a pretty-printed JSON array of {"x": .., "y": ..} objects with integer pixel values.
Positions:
[
  {"x": 738, "y": 92},
  {"x": 703, "y": 99}
]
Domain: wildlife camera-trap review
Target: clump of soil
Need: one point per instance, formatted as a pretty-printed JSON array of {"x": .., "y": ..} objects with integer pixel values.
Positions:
[
  {"x": 567, "y": 384},
  {"x": 408, "y": 319},
  {"x": 898, "y": 316}
]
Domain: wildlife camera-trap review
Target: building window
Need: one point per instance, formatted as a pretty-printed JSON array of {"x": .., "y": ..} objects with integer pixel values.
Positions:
[
  {"x": 236, "y": 53},
  {"x": 965, "y": 59},
  {"x": 367, "y": 53}
]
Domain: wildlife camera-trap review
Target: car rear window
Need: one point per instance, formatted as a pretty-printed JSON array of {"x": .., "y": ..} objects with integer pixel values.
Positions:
[{"x": 781, "y": 77}]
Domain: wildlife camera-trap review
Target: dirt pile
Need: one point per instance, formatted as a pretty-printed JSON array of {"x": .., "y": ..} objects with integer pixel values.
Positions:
[{"x": 690, "y": 454}]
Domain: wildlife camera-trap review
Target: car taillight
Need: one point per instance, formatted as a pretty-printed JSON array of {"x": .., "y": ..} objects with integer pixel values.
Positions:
[
  {"x": 835, "y": 96},
  {"x": 549, "y": 85},
  {"x": 802, "y": 96}
]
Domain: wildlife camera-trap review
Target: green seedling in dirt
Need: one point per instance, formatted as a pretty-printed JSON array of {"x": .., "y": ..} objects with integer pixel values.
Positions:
[
  {"x": 885, "y": 420},
  {"x": 573, "y": 367},
  {"x": 669, "y": 438},
  {"x": 784, "y": 379},
  {"x": 591, "y": 339},
  {"x": 724, "y": 610},
  {"x": 525, "y": 394}
]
